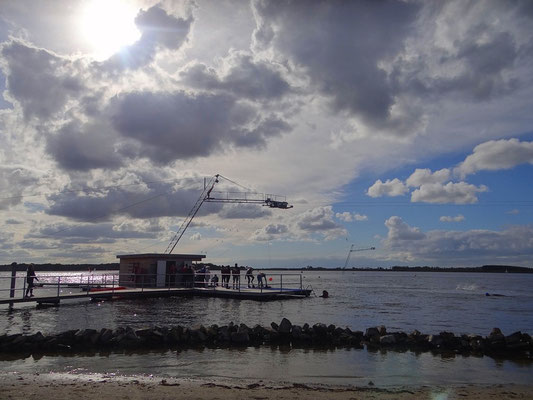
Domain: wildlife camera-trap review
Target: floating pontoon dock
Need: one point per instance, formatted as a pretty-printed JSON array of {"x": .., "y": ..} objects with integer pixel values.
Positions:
[{"x": 51, "y": 290}]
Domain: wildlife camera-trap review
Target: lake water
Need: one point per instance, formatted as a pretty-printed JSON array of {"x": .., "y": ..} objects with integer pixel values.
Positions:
[{"x": 429, "y": 302}]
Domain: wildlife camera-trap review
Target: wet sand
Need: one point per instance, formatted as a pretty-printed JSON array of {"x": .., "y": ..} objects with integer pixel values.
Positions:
[{"x": 62, "y": 386}]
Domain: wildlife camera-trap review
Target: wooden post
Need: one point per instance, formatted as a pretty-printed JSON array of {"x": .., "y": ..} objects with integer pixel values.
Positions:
[{"x": 13, "y": 282}]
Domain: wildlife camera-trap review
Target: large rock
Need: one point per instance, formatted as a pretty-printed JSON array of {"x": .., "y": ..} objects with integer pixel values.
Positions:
[
  {"x": 370, "y": 332},
  {"x": 224, "y": 334},
  {"x": 435, "y": 340},
  {"x": 240, "y": 337},
  {"x": 105, "y": 335},
  {"x": 387, "y": 340},
  {"x": 296, "y": 332},
  {"x": 285, "y": 327},
  {"x": 513, "y": 338},
  {"x": 496, "y": 335}
]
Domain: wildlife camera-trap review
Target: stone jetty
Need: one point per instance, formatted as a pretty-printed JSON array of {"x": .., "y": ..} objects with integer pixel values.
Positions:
[{"x": 517, "y": 345}]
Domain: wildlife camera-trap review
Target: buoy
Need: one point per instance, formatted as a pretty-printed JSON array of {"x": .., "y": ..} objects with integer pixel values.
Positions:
[{"x": 270, "y": 279}]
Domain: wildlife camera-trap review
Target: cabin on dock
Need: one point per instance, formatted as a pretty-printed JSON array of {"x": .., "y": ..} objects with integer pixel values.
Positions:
[{"x": 151, "y": 269}]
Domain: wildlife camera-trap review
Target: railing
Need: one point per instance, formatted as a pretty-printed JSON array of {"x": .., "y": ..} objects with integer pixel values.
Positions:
[{"x": 13, "y": 287}]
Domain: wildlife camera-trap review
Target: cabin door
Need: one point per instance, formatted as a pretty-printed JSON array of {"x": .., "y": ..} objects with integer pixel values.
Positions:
[{"x": 161, "y": 273}]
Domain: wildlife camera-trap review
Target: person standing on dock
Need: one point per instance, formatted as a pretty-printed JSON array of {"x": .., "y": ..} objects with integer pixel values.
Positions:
[
  {"x": 249, "y": 277},
  {"x": 225, "y": 272},
  {"x": 260, "y": 278},
  {"x": 236, "y": 274},
  {"x": 30, "y": 277}
]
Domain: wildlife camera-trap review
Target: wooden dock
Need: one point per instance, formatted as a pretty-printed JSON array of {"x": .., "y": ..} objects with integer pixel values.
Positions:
[{"x": 258, "y": 294}]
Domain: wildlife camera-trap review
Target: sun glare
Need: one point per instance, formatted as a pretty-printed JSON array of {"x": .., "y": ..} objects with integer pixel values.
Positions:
[{"x": 108, "y": 25}]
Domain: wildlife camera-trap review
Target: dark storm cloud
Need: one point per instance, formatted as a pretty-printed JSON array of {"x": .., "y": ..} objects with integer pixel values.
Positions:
[
  {"x": 245, "y": 77},
  {"x": 82, "y": 147},
  {"x": 40, "y": 81},
  {"x": 170, "y": 126},
  {"x": 101, "y": 233},
  {"x": 479, "y": 68},
  {"x": 159, "y": 200},
  {"x": 159, "y": 30},
  {"x": 340, "y": 45}
]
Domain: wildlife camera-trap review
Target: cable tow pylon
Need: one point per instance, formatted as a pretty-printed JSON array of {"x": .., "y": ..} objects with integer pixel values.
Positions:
[
  {"x": 269, "y": 200},
  {"x": 205, "y": 194},
  {"x": 357, "y": 249}
]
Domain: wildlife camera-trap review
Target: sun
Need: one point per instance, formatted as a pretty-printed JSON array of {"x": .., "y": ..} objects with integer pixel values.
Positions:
[{"x": 108, "y": 25}]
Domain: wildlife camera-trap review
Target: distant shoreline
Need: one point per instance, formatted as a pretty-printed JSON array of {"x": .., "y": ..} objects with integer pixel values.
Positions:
[{"x": 213, "y": 267}]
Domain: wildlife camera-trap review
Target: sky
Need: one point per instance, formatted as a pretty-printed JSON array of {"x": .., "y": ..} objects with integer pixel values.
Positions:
[{"x": 401, "y": 125}]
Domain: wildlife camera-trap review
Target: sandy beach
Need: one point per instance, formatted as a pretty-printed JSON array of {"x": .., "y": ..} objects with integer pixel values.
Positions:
[{"x": 63, "y": 386}]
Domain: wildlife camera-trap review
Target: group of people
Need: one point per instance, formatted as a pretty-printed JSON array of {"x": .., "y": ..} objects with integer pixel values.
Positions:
[{"x": 227, "y": 272}]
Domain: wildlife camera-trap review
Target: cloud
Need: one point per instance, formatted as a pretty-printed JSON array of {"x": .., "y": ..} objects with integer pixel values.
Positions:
[
  {"x": 513, "y": 212},
  {"x": 244, "y": 211},
  {"x": 13, "y": 183},
  {"x": 271, "y": 232},
  {"x": 40, "y": 81},
  {"x": 13, "y": 221},
  {"x": 458, "y": 193},
  {"x": 89, "y": 233},
  {"x": 196, "y": 236},
  {"x": 392, "y": 188},
  {"x": 81, "y": 147},
  {"x": 347, "y": 32},
  {"x": 156, "y": 199},
  {"x": 242, "y": 76},
  {"x": 350, "y": 217},
  {"x": 496, "y": 155},
  {"x": 317, "y": 221},
  {"x": 452, "y": 248},
  {"x": 170, "y": 126},
  {"x": 400, "y": 232},
  {"x": 457, "y": 218},
  {"x": 159, "y": 31},
  {"x": 423, "y": 176}
]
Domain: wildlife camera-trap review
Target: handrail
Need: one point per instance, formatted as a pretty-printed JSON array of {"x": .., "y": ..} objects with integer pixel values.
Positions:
[{"x": 114, "y": 280}]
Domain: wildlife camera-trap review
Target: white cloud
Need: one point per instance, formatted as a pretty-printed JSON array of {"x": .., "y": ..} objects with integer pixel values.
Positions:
[
  {"x": 271, "y": 232},
  {"x": 196, "y": 236},
  {"x": 458, "y": 193},
  {"x": 453, "y": 248},
  {"x": 424, "y": 176},
  {"x": 399, "y": 232},
  {"x": 495, "y": 155},
  {"x": 513, "y": 212},
  {"x": 393, "y": 187},
  {"x": 457, "y": 218},
  {"x": 304, "y": 226},
  {"x": 350, "y": 217}
]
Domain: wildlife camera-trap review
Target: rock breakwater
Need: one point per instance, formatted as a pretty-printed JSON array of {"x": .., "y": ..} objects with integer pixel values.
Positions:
[{"x": 517, "y": 345}]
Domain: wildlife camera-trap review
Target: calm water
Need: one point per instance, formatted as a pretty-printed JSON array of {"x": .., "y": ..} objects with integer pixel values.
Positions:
[{"x": 429, "y": 302}]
